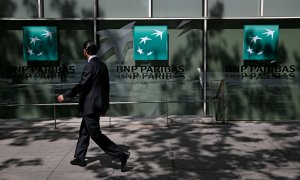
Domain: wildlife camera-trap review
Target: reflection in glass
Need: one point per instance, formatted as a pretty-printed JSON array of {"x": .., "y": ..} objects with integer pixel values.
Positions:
[
  {"x": 261, "y": 97},
  {"x": 69, "y": 8},
  {"x": 233, "y": 8},
  {"x": 28, "y": 83},
  {"x": 281, "y": 8},
  {"x": 177, "y": 8},
  {"x": 123, "y": 8},
  {"x": 116, "y": 50},
  {"x": 19, "y": 8}
]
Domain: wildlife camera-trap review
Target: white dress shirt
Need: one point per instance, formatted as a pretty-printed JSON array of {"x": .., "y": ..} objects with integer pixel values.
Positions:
[{"x": 91, "y": 57}]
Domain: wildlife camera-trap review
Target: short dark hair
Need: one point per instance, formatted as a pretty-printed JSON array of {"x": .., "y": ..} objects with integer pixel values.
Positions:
[{"x": 90, "y": 47}]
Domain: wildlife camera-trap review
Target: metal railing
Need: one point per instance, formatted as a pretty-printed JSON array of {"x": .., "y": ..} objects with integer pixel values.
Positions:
[{"x": 218, "y": 99}]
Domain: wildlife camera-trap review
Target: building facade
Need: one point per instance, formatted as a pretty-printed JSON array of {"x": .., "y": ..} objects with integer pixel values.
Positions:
[{"x": 206, "y": 44}]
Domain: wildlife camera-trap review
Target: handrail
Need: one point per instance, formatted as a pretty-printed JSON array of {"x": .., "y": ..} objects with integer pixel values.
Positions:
[
  {"x": 111, "y": 82},
  {"x": 119, "y": 102},
  {"x": 219, "y": 98}
]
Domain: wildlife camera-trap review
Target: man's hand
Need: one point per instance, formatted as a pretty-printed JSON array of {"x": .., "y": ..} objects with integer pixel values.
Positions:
[{"x": 60, "y": 98}]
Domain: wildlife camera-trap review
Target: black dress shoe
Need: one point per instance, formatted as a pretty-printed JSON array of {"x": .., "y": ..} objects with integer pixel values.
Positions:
[
  {"x": 78, "y": 162},
  {"x": 123, "y": 159}
]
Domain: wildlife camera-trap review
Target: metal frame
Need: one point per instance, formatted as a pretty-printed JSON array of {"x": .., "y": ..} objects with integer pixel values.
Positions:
[
  {"x": 150, "y": 8},
  {"x": 40, "y": 8},
  {"x": 154, "y": 18},
  {"x": 261, "y": 8},
  {"x": 204, "y": 41},
  {"x": 95, "y": 21}
]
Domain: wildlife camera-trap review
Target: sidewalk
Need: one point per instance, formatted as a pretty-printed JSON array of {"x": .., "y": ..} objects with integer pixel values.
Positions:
[{"x": 238, "y": 150}]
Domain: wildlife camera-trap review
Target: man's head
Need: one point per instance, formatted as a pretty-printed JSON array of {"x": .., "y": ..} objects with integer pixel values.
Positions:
[{"x": 89, "y": 48}]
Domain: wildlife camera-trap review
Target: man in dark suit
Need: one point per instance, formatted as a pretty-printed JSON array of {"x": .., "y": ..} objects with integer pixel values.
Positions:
[{"x": 93, "y": 88}]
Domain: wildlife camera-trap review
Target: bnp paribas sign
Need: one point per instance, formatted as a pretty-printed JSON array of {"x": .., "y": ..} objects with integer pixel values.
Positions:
[
  {"x": 260, "y": 42},
  {"x": 40, "y": 43},
  {"x": 150, "y": 43}
]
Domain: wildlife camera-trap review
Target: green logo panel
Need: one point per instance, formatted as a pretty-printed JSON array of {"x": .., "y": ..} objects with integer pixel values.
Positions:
[
  {"x": 40, "y": 43},
  {"x": 150, "y": 43},
  {"x": 260, "y": 42}
]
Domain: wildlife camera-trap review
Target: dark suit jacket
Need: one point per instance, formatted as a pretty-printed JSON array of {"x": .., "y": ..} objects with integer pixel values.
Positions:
[{"x": 93, "y": 88}]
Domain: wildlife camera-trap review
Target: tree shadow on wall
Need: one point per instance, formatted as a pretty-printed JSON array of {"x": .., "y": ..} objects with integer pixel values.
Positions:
[
  {"x": 32, "y": 7},
  {"x": 66, "y": 8},
  {"x": 8, "y": 8}
]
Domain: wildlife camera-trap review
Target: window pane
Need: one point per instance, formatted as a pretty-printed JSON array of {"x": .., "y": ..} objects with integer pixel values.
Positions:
[
  {"x": 177, "y": 8},
  {"x": 18, "y": 8},
  {"x": 281, "y": 8},
  {"x": 22, "y": 81},
  {"x": 69, "y": 8},
  {"x": 122, "y": 8},
  {"x": 264, "y": 96},
  {"x": 185, "y": 51},
  {"x": 233, "y": 8}
]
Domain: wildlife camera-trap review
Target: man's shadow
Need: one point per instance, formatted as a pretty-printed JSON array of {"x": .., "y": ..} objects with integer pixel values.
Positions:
[{"x": 108, "y": 161}]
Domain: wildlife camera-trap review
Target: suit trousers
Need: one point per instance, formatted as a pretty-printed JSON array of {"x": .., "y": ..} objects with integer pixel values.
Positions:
[{"x": 90, "y": 127}]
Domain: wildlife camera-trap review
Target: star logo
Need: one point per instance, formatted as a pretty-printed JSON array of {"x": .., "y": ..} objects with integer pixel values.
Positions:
[
  {"x": 30, "y": 51},
  {"x": 269, "y": 33},
  {"x": 144, "y": 39},
  {"x": 47, "y": 34},
  {"x": 260, "y": 53},
  {"x": 40, "y": 53},
  {"x": 250, "y": 50},
  {"x": 40, "y": 43},
  {"x": 158, "y": 33},
  {"x": 149, "y": 53},
  {"x": 254, "y": 39},
  {"x": 260, "y": 42},
  {"x": 140, "y": 51},
  {"x": 150, "y": 43},
  {"x": 33, "y": 40}
]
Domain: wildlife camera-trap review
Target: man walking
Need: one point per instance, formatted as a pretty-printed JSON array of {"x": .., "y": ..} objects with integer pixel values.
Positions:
[{"x": 93, "y": 88}]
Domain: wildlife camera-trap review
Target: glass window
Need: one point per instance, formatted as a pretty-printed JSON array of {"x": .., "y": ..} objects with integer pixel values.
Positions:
[
  {"x": 177, "y": 8},
  {"x": 175, "y": 79},
  {"x": 68, "y": 8},
  {"x": 281, "y": 8},
  {"x": 19, "y": 9},
  {"x": 122, "y": 8},
  {"x": 233, "y": 8},
  {"x": 22, "y": 81},
  {"x": 252, "y": 94}
]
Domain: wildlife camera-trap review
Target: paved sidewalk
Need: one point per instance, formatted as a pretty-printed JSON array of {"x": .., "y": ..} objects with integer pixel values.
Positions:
[{"x": 238, "y": 150}]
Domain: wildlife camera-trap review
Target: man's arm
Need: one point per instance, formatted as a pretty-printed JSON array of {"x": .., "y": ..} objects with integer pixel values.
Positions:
[{"x": 85, "y": 79}]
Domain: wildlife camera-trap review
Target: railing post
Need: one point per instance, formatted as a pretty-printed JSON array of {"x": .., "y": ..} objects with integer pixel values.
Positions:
[
  {"x": 211, "y": 97},
  {"x": 166, "y": 100},
  {"x": 223, "y": 101},
  {"x": 54, "y": 108}
]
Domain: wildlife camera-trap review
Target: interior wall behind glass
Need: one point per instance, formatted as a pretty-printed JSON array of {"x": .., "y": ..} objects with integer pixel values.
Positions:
[
  {"x": 256, "y": 98},
  {"x": 123, "y": 8},
  {"x": 233, "y": 8},
  {"x": 19, "y": 8},
  {"x": 282, "y": 8},
  {"x": 177, "y": 8},
  {"x": 68, "y": 8}
]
